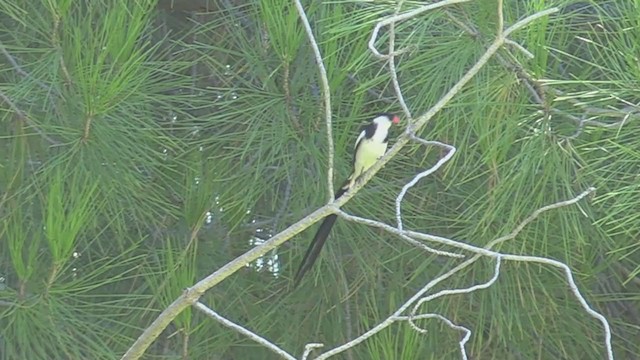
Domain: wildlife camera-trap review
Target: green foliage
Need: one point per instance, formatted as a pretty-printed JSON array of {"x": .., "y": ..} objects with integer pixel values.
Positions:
[
  {"x": 22, "y": 248},
  {"x": 144, "y": 148},
  {"x": 68, "y": 210}
]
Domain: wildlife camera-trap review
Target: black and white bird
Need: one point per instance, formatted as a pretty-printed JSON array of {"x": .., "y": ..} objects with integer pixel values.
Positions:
[{"x": 370, "y": 146}]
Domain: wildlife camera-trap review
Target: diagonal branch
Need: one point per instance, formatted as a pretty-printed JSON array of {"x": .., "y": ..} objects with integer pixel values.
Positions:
[
  {"x": 230, "y": 324},
  {"x": 191, "y": 295}
]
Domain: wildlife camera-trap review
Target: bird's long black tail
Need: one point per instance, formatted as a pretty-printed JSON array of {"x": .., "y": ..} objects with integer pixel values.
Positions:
[
  {"x": 319, "y": 239},
  {"x": 316, "y": 246}
]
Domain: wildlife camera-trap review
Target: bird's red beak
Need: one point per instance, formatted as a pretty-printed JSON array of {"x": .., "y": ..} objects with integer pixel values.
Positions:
[{"x": 395, "y": 120}]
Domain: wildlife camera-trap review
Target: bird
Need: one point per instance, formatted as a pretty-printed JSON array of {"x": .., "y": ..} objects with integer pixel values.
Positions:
[{"x": 370, "y": 146}]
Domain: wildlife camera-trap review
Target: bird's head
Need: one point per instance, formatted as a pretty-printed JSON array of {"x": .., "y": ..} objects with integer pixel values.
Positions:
[{"x": 386, "y": 120}]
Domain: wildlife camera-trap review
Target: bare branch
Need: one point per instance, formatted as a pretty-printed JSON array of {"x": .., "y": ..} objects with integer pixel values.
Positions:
[
  {"x": 521, "y": 48},
  {"x": 309, "y": 348},
  {"x": 392, "y": 67},
  {"x": 250, "y": 334},
  {"x": 463, "y": 341},
  {"x": 434, "y": 168},
  {"x": 405, "y": 16},
  {"x": 191, "y": 295},
  {"x": 500, "y": 19},
  {"x": 326, "y": 92},
  {"x": 422, "y": 246}
]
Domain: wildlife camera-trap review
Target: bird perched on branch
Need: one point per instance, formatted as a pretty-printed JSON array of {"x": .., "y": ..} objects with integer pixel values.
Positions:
[{"x": 369, "y": 147}]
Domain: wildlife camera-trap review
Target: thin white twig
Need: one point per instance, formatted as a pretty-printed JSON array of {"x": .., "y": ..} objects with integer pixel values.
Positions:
[
  {"x": 326, "y": 92},
  {"x": 250, "y": 334},
  {"x": 405, "y": 16},
  {"x": 416, "y": 235},
  {"x": 513, "y": 234},
  {"x": 521, "y": 48},
  {"x": 524, "y": 258},
  {"x": 309, "y": 348},
  {"x": 392, "y": 68},
  {"x": 462, "y": 342},
  {"x": 529, "y": 19},
  {"x": 500, "y": 19},
  {"x": 537, "y": 213},
  {"x": 431, "y": 170},
  {"x": 486, "y": 251},
  {"x": 425, "y": 247},
  {"x": 574, "y": 288},
  {"x": 485, "y": 285}
]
